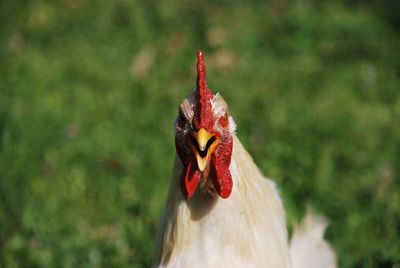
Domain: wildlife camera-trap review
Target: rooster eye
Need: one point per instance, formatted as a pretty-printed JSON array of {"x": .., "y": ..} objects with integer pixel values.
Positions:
[{"x": 181, "y": 119}]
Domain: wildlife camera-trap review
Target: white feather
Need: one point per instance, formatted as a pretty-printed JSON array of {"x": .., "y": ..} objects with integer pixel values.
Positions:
[
  {"x": 246, "y": 230},
  {"x": 307, "y": 246}
]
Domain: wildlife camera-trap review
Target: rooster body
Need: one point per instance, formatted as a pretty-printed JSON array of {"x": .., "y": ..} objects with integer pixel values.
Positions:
[
  {"x": 221, "y": 211},
  {"x": 246, "y": 230}
]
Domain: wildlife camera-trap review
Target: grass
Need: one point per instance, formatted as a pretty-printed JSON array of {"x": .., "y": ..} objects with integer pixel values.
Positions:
[{"x": 89, "y": 91}]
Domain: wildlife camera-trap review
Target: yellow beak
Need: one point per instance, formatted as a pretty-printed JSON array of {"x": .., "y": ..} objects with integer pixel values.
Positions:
[{"x": 202, "y": 145}]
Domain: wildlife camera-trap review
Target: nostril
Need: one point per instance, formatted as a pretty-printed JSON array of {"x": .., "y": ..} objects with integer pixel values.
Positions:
[
  {"x": 194, "y": 141},
  {"x": 210, "y": 142}
]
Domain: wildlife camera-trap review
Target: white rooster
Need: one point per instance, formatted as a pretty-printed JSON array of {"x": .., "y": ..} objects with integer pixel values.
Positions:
[{"x": 221, "y": 211}]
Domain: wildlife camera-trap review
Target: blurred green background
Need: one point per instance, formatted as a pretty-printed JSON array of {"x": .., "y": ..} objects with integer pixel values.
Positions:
[{"x": 89, "y": 91}]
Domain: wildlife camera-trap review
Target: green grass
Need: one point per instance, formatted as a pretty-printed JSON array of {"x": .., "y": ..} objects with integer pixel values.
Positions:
[{"x": 86, "y": 140}]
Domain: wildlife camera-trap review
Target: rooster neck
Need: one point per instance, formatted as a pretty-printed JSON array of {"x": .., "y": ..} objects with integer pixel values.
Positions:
[{"x": 246, "y": 228}]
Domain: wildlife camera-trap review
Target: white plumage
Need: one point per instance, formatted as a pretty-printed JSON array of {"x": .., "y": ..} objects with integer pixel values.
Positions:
[{"x": 245, "y": 228}]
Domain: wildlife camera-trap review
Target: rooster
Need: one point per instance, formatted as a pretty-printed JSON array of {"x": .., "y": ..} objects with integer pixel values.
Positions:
[{"x": 221, "y": 211}]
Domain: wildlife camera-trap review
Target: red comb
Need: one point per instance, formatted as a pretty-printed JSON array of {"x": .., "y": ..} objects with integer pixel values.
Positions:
[{"x": 204, "y": 95}]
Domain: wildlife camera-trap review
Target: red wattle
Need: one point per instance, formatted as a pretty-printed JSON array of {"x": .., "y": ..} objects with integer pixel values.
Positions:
[
  {"x": 191, "y": 179},
  {"x": 221, "y": 160},
  {"x": 223, "y": 181}
]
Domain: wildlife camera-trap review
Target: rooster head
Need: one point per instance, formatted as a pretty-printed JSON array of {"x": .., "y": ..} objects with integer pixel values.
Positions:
[{"x": 203, "y": 139}]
